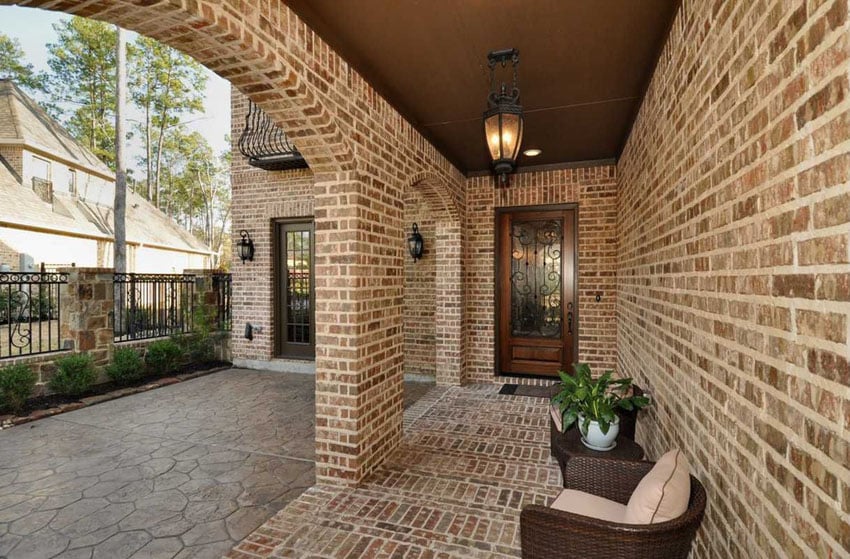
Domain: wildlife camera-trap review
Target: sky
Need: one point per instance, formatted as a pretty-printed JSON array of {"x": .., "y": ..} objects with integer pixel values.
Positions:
[{"x": 34, "y": 29}]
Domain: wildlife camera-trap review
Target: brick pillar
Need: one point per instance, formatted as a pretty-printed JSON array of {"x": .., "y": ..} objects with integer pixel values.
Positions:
[
  {"x": 86, "y": 312},
  {"x": 449, "y": 305},
  {"x": 359, "y": 284}
]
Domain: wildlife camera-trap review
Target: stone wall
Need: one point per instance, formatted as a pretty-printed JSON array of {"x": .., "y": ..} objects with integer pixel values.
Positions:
[
  {"x": 595, "y": 191},
  {"x": 734, "y": 295},
  {"x": 85, "y": 323}
]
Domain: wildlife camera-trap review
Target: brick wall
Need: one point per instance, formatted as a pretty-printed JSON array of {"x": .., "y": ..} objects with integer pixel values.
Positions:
[
  {"x": 734, "y": 295},
  {"x": 595, "y": 191},
  {"x": 259, "y": 198},
  {"x": 420, "y": 300}
]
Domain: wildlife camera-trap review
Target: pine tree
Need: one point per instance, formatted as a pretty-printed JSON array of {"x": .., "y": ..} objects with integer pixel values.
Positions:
[{"x": 82, "y": 81}]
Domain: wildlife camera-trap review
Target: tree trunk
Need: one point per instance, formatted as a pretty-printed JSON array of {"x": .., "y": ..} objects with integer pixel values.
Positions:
[
  {"x": 162, "y": 124},
  {"x": 120, "y": 163}
]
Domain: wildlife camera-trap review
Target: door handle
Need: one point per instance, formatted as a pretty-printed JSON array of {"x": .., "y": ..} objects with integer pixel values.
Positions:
[{"x": 569, "y": 318}]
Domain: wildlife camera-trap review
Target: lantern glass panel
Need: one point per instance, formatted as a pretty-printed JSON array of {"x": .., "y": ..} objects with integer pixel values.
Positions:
[
  {"x": 511, "y": 135},
  {"x": 491, "y": 130}
]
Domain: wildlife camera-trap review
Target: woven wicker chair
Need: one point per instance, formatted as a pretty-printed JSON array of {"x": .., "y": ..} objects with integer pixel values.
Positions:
[{"x": 552, "y": 534}]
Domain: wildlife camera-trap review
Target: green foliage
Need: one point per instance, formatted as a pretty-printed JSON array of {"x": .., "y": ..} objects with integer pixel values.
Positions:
[
  {"x": 201, "y": 346},
  {"x": 127, "y": 366},
  {"x": 74, "y": 375},
  {"x": 163, "y": 356},
  {"x": 595, "y": 399},
  {"x": 198, "y": 346},
  {"x": 164, "y": 84},
  {"x": 25, "y": 304},
  {"x": 82, "y": 64},
  {"x": 13, "y": 67},
  {"x": 17, "y": 383}
]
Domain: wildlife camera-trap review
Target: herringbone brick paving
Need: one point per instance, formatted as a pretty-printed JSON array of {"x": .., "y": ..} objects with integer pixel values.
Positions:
[{"x": 470, "y": 460}]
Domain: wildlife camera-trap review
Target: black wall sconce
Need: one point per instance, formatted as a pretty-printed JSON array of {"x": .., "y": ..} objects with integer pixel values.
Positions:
[
  {"x": 415, "y": 243},
  {"x": 245, "y": 247}
]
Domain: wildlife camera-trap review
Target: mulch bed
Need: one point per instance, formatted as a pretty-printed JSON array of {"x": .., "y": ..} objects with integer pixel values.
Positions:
[{"x": 54, "y": 404}]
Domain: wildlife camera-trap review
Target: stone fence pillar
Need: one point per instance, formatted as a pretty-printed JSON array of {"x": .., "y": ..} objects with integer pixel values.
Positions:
[{"x": 86, "y": 307}]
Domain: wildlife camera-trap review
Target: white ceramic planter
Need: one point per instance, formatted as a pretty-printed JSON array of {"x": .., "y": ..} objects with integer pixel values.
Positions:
[{"x": 595, "y": 439}]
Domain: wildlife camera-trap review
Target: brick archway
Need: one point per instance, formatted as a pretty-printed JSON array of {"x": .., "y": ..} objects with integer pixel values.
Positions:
[
  {"x": 229, "y": 38},
  {"x": 337, "y": 120},
  {"x": 448, "y": 291}
]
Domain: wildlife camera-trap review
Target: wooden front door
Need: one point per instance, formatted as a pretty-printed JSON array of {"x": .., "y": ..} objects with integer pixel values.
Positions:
[
  {"x": 295, "y": 301},
  {"x": 536, "y": 271}
]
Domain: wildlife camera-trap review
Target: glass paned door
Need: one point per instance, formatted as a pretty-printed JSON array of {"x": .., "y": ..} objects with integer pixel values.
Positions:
[
  {"x": 295, "y": 290},
  {"x": 537, "y": 322}
]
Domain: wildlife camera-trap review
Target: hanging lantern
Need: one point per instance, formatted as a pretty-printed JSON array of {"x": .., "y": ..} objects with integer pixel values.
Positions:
[{"x": 503, "y": 117}]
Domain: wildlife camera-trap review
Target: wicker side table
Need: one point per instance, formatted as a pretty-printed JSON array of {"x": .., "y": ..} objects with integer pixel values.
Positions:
[{"x": 568, "y": 445}]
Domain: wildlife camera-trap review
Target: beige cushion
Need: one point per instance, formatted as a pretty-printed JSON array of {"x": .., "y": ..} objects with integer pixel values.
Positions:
[
  {"x": 556, "y": 417},
  {"x": 585, "y": 504},
  {"x": 663, "y": 493}
]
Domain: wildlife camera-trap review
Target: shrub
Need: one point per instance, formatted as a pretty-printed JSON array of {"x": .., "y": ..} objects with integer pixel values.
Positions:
[
  {"x": 17, "y": 383},
  {"x": 200, "y": 344},
  {"x": 163, "y": 356},
  {"x": 74, "y": 374},
  {"x": 126, "y": 367}
]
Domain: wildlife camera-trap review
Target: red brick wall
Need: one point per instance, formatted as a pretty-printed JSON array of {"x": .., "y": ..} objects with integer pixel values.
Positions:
[
  {"x": 420, "y": 301},
  {"x": 595, "y": 191},
  {"x": 734, "y": 295}
]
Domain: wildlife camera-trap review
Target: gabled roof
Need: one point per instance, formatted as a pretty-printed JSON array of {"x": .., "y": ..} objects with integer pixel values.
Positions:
[
  {"x": 146, "y": 225},
  {"x": 91, "y": 213},
  {"x": 23, "y": 120}
]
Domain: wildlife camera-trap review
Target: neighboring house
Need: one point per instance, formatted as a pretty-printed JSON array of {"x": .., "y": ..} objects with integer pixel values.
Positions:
[{"x": 56, "y": 202}]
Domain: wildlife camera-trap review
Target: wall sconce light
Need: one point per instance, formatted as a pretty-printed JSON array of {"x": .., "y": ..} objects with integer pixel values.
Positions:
[
  {"x": 415, "y": 243},
  {"x": 245, "y": 247},
  {"x": 503, "y": 117}
]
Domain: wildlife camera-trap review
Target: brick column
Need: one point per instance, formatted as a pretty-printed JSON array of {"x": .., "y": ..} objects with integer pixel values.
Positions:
[
  {"x": 358, "y": 328},
  {"x": 86, "y": 312},
  {"x": 449, "y": 305}
]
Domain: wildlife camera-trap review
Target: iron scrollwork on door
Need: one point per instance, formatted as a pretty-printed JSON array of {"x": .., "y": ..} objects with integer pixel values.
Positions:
[{"x": 536, "y": 278}]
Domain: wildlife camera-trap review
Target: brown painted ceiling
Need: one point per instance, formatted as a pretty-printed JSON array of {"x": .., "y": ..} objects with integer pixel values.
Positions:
[{"x": 584, "y": 65}]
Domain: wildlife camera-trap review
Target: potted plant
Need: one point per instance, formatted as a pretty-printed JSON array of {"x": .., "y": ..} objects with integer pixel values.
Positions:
[{"x": 593, "y": 404}]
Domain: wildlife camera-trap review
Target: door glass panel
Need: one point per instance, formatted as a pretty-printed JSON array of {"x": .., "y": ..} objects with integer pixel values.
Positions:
[
  {"x": 536, "y": 278},
  {"x": 298, "y": 283}
]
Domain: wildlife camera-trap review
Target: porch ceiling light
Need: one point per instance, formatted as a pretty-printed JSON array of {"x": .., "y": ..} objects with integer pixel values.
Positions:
[
  {"x": 415, "y": 243},
  {"x": 245, "y": 247},
  {"x": 503, "y": 117}
]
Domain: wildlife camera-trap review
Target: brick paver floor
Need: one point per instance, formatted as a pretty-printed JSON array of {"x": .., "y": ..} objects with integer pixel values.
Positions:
[
  {"x": 183, "y": 471},
  {"x": 470, "y": 460}
]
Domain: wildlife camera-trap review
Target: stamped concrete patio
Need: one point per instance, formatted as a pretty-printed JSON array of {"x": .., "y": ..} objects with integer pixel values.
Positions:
[{"x": 184, "y": 471}]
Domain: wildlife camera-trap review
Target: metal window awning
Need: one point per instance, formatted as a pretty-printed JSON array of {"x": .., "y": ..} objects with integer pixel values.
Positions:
[{"x": 265, "y": 145}]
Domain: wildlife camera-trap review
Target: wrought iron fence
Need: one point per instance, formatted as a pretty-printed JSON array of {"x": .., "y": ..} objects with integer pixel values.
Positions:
[
  {"x": 222, "y": 286},
  {"x": 152, "y": 305},
  {"x": 29, "y": 312}
]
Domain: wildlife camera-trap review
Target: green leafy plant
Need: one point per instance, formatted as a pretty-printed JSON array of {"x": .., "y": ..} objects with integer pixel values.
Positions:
[
  {"x": 126, "y": 367},
  {"x": 163, "y": 356},
  {"x": 74, "y": 375},
  {"x": 594, "y": 399},
  {"x": 200, "y": 344},
  {"x": 17, "y": 383}
]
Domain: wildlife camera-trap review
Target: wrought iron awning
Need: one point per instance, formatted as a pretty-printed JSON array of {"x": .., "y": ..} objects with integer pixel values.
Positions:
[{"x": 265, "y": 145}]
